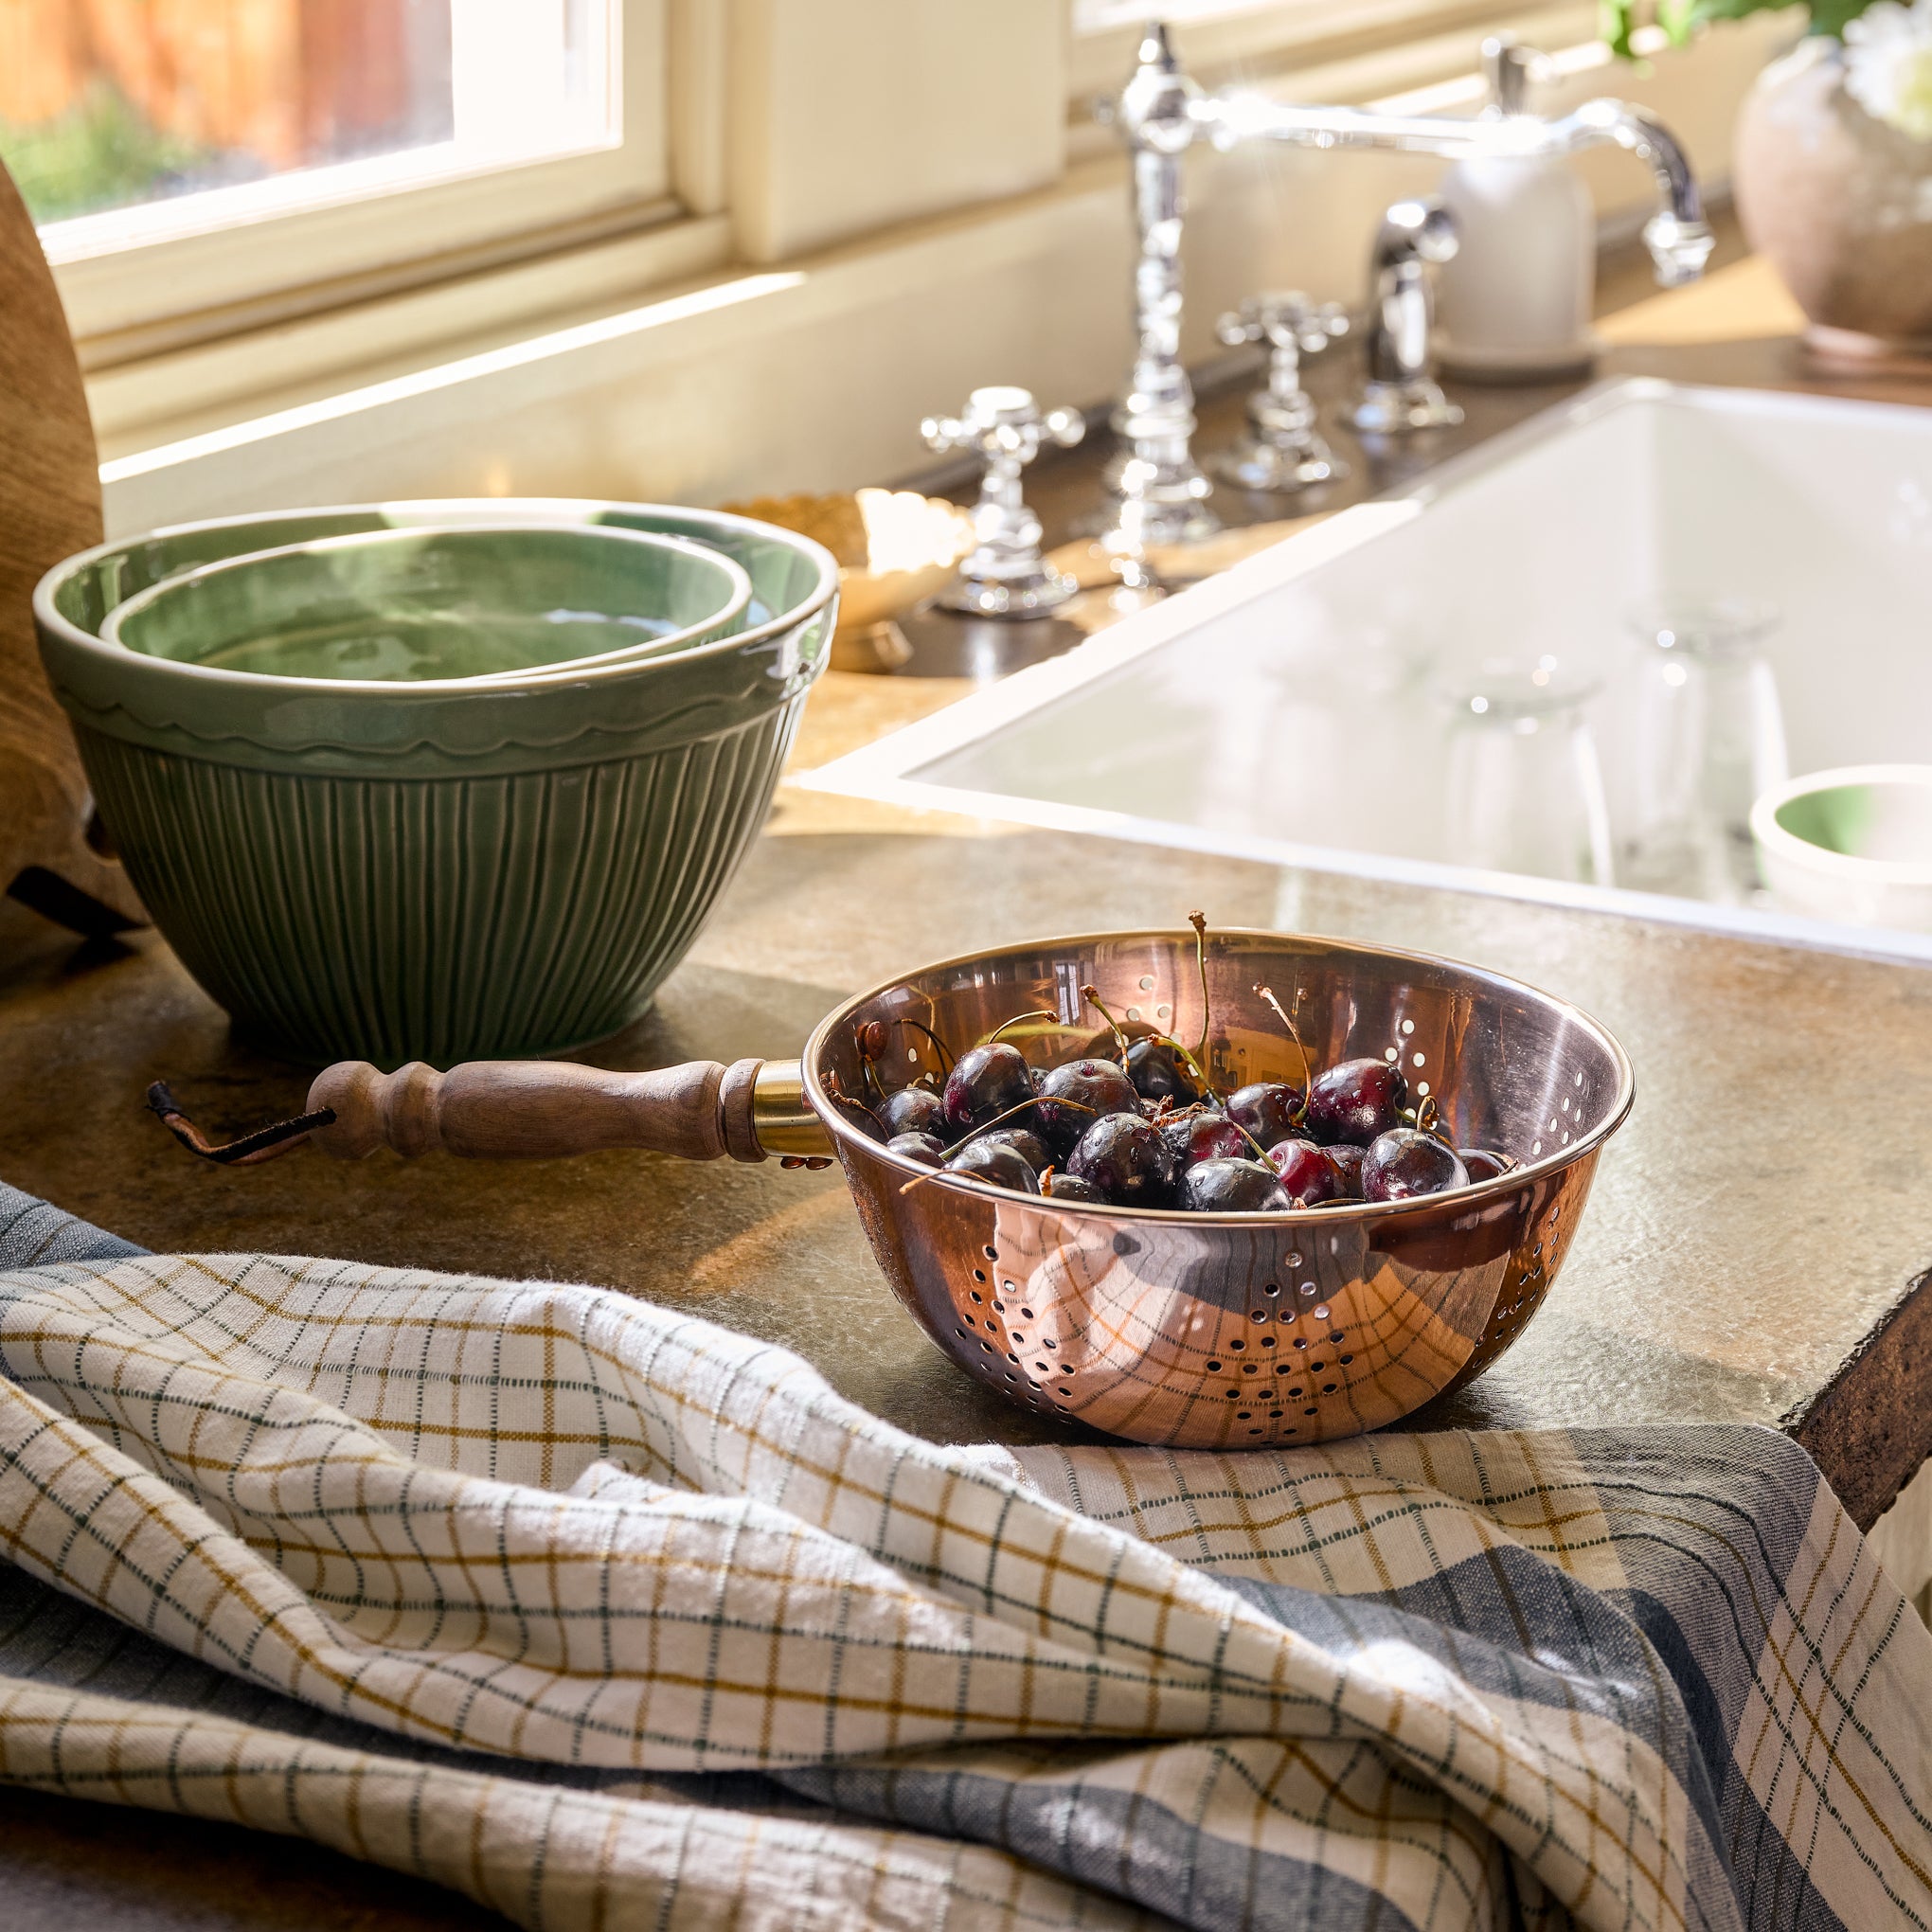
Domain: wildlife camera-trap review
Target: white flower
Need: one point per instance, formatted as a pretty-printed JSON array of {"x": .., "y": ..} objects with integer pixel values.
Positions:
[{"x": 1889, "y": 64}]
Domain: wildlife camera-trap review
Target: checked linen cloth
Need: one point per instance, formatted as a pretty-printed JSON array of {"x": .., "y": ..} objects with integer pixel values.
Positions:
[{"x": 610, "y": 1618}]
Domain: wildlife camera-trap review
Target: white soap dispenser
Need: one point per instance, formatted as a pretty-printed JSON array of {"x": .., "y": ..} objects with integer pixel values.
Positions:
[{"x": 1516, "y": 301}]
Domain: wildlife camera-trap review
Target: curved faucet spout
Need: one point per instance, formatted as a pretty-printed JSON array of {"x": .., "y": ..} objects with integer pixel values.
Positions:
[{"x": 1677, "y": 236}]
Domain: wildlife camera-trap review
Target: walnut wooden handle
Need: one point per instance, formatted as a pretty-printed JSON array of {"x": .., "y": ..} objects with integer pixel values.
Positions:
[{"x": 538, "y": 1110}]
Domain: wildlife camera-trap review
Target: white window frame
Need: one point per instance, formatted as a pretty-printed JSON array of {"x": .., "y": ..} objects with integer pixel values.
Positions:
[{"x": 164, "y": 274}]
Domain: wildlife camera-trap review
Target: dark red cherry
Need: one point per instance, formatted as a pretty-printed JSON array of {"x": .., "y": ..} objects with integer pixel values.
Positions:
[
  {"x": 1355, "y": 1102},
  {"x": 1308, "y": 1175},
  {"x": 985, "y": 1081},
  {"x": 1127, "y": 1160},
  {"x": 1233, "y": 1186},
  {"x": 996, "y": 1164},
  {"x": 1346, "y": 1158},
  {"x": 1061, "y": 1185},
  {"x": 1024, "y": 1142},
  {"x": 1483, "y": 1163},
  {"x": 912, "y": 1110},
  {"x": 923, "y": 1148},
  {"x": 1091, "y": 1089},
  {"x": 1203, "y": 1136},
  {"x": 1402, "y": 1163},
  {"x": 1158, "y": 1071},
  {"x": 1270, "y": 1110}
]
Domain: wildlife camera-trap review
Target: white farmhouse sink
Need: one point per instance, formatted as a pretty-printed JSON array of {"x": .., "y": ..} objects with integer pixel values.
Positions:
[{"x": 1288, "y": 709}]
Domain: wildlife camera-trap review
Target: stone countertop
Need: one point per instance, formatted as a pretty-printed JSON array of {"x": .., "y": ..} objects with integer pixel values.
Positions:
[{"x": 1753, "y": 1250}]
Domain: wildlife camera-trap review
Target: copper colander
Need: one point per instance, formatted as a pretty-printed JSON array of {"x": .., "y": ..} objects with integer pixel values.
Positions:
[{"x": 1207, "y": 1331}]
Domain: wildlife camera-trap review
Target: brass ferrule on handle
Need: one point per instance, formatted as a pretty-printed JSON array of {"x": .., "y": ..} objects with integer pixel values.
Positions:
[{"x": 548, "y": 1110}]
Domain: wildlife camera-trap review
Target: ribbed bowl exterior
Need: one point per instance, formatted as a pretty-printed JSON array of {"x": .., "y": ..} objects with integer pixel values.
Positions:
[{"x": 403, "y": 918}]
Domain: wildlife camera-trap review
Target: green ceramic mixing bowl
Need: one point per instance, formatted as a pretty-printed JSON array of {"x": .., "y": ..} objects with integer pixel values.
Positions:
[
  {"x": 436, "y": 871},
  {"x": 419, "y": 606}
]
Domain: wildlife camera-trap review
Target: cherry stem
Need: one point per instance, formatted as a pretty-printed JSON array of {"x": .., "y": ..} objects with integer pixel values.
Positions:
[
  {"x": 1036, "y": 1013},
  {"x": 837, "y": 1089},
  {"x": 1199, "y": 922},
  {"x": 1093, "y": 994},
  {"x": 938, "y": 1045},
  {"x": 1267, "y": 992}
]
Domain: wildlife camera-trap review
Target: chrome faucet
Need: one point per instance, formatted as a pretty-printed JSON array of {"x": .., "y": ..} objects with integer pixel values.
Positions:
[
  {"x": 1402, "y": 393},
  {"x": 1157, "y": 489}
]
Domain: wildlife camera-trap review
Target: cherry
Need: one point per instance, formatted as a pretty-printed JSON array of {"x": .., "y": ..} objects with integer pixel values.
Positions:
[
  {"x": 912, "y": 1110},
  {"x": 1127, "y": 1160},
  {"x": 1024, "y": 1142},
  {"x": 1346, "y": 1158},
  {"x": 1233, "y": 1186},
  {"x": 1356, "y": 1100},
  {"x": 986, "y": 1080},
  {"x": 996, "y": 1163},
  {"x": 1158, "y": 1072},
  {"x": 1483, "y": 1163},
  {"x": 1309, "y": 1177},
  {"x": 1202, "y": 1137},
  {"x": 1270, "y": 1110},
  {"x": 1061, "y": 1185},
  {"x": 1404, "y": 1163},
  {"x": 923, "y": 1148},
  {"x": 1092, "y": 1088}
]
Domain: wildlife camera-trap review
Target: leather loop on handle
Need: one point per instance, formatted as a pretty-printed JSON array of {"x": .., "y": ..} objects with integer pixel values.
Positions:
[{"x": 538, "y": 1110}]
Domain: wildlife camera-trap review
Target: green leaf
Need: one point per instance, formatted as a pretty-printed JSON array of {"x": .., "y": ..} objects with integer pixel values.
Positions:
[
  {"x": 1829, "y": 16},
  {"x": 1618, "y": 22}
]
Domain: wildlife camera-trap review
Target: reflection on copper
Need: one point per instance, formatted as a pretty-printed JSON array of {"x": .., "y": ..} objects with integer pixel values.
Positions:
[{"x": 1243, "y": 1331}]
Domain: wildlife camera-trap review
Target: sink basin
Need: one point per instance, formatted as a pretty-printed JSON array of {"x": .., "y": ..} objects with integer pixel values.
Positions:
[{"x": 1291, "y": 710}]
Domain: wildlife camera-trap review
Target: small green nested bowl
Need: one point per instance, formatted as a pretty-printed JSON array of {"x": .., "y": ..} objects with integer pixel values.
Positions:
[
  {"x": 436, "y": 871},
  {"x": 456, "y": 605}
]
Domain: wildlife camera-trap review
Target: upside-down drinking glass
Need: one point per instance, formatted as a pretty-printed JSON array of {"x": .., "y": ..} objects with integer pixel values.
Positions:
[
  {"x": 1709, "y": 740},
  {"x": 1525, "y": 790}
]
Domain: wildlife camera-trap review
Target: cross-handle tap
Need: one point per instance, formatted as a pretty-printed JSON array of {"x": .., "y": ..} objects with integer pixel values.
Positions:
[
  {"x": 1281, "y": 451},
  {"x": 1004, "y": 575},
  {"x": 1402, "y": 394},
  {"x": 1155, "y": 485}
]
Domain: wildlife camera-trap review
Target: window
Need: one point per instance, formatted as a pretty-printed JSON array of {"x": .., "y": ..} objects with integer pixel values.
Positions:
[{"x": 189, "y": 155}]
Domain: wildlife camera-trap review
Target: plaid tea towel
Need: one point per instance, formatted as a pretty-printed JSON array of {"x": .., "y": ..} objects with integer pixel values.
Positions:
[{"x": 610, "y": 1618}]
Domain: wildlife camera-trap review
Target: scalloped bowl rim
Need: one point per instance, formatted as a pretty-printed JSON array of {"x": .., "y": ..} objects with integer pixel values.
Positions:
[{"x": 470, "y": 512}]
